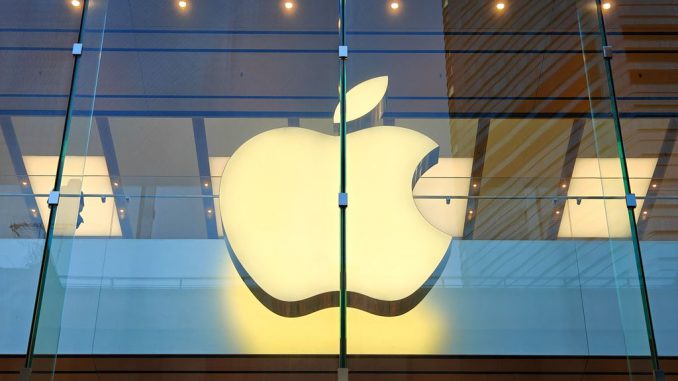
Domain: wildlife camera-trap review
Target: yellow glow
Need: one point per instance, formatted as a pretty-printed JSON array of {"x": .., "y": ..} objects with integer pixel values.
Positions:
[
  {"x": 362, "y": 98},
  {"x": 607, "y": 5},
  {"x": 183, "y": 4},
  {"x": 602, "y": 177},
  {"x": 395, "y": 5},
  {"x": 272, "y": 175},
  {"x": 75, "y": 3},
  {"x": 260, "y": 331},
  {"x": 289, "y": 5},
  {"x": 501, "y": 6},
  {"x": 292, "y": 255},
  {"x": 100, "y": 218}
]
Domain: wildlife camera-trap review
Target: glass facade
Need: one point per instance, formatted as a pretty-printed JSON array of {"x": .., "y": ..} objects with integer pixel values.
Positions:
[{"x": 217, "y": 189}]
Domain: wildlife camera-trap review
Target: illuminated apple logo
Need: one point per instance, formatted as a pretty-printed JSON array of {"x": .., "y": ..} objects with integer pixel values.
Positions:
[{"x": 278, "y": 200}]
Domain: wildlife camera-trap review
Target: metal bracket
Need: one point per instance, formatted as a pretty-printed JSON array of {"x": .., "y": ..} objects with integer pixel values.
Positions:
[
  {"x": 343, "y": 52},
  {"x": 25, "y": 374},
  {"x": 342, "y": 374},
  {"x": 607, "y": 51},
  {"x": 77, "y": 49},
  {"x": 343, "y": 200},
  {"x": 659, "y": 375},
  {"x": 53, "y": 198},
  {"x": 631, "y": 202}
]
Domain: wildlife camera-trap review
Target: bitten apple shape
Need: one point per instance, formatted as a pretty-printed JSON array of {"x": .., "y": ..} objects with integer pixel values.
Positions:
[{"x": 278, "y": 203}]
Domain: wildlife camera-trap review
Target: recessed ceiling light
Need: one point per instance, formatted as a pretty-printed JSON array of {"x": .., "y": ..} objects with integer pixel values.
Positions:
[
  {"x": 395, "y": 5},
  {"x": 75, "y": 3},
  {"x": 501, "y": 6},
  {"x": 183, "y": 4},
  {"x": 288, "y": 5},
  {"x": 607, "y": 5}
]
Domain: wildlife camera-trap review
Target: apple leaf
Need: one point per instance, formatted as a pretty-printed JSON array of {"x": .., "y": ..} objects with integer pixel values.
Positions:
[{"x": 362, "y": 98}]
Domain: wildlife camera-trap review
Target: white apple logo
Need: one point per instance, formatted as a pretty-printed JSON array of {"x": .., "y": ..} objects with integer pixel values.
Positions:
[{"x": 278, "y": 200}]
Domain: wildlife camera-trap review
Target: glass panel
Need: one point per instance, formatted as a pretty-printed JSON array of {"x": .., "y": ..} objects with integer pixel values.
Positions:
[
  {"x": 487, "y": 213},
  {"x": 36, "y": 67},
  {"x": 645, "y": 38},
  {"x": 197, "y": 230},
  {"x": 204, "y": 147}
]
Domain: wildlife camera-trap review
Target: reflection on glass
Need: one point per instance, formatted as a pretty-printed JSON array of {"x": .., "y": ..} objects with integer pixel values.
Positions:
[{"x": 486, "y": 209}]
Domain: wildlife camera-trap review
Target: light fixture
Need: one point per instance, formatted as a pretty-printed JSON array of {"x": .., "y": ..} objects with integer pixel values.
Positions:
[
  {"x": 654, "y": 185},
  {"x": 115, "y": 184},
  {"x": 88, "y": 175},
  {"x": 121, "y": 211},
  {"x": 75, "y": 3},
  {"x": 563, "y": 186},
  {"x": 470, "y": 211},
  {"x": 268, "y": 161},
  {"x": 604, "y": 215},
  {"x": 395, "y": 5},
  {"x": 24, "y": 183},
  {"x": 288, "y": 5},
  {"x": 501, "y": 6},
  {"x": 183, "y": 4},
  {"x": 557, "y": 211},
  {"x": 645, "y": 212},
  {"x": 271, "y": 160},
  {"x": 206, "y": 185},
  {"x": 475, "y": 185},
  {"x": 607, "y": 5}
]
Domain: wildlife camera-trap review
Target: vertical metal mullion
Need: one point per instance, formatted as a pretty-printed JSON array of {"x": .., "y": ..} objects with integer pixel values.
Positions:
[
  {"x": 53, "y": 208},
  {"x": 627, "y": 188},
  {"x": 342, "y": 189}
]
